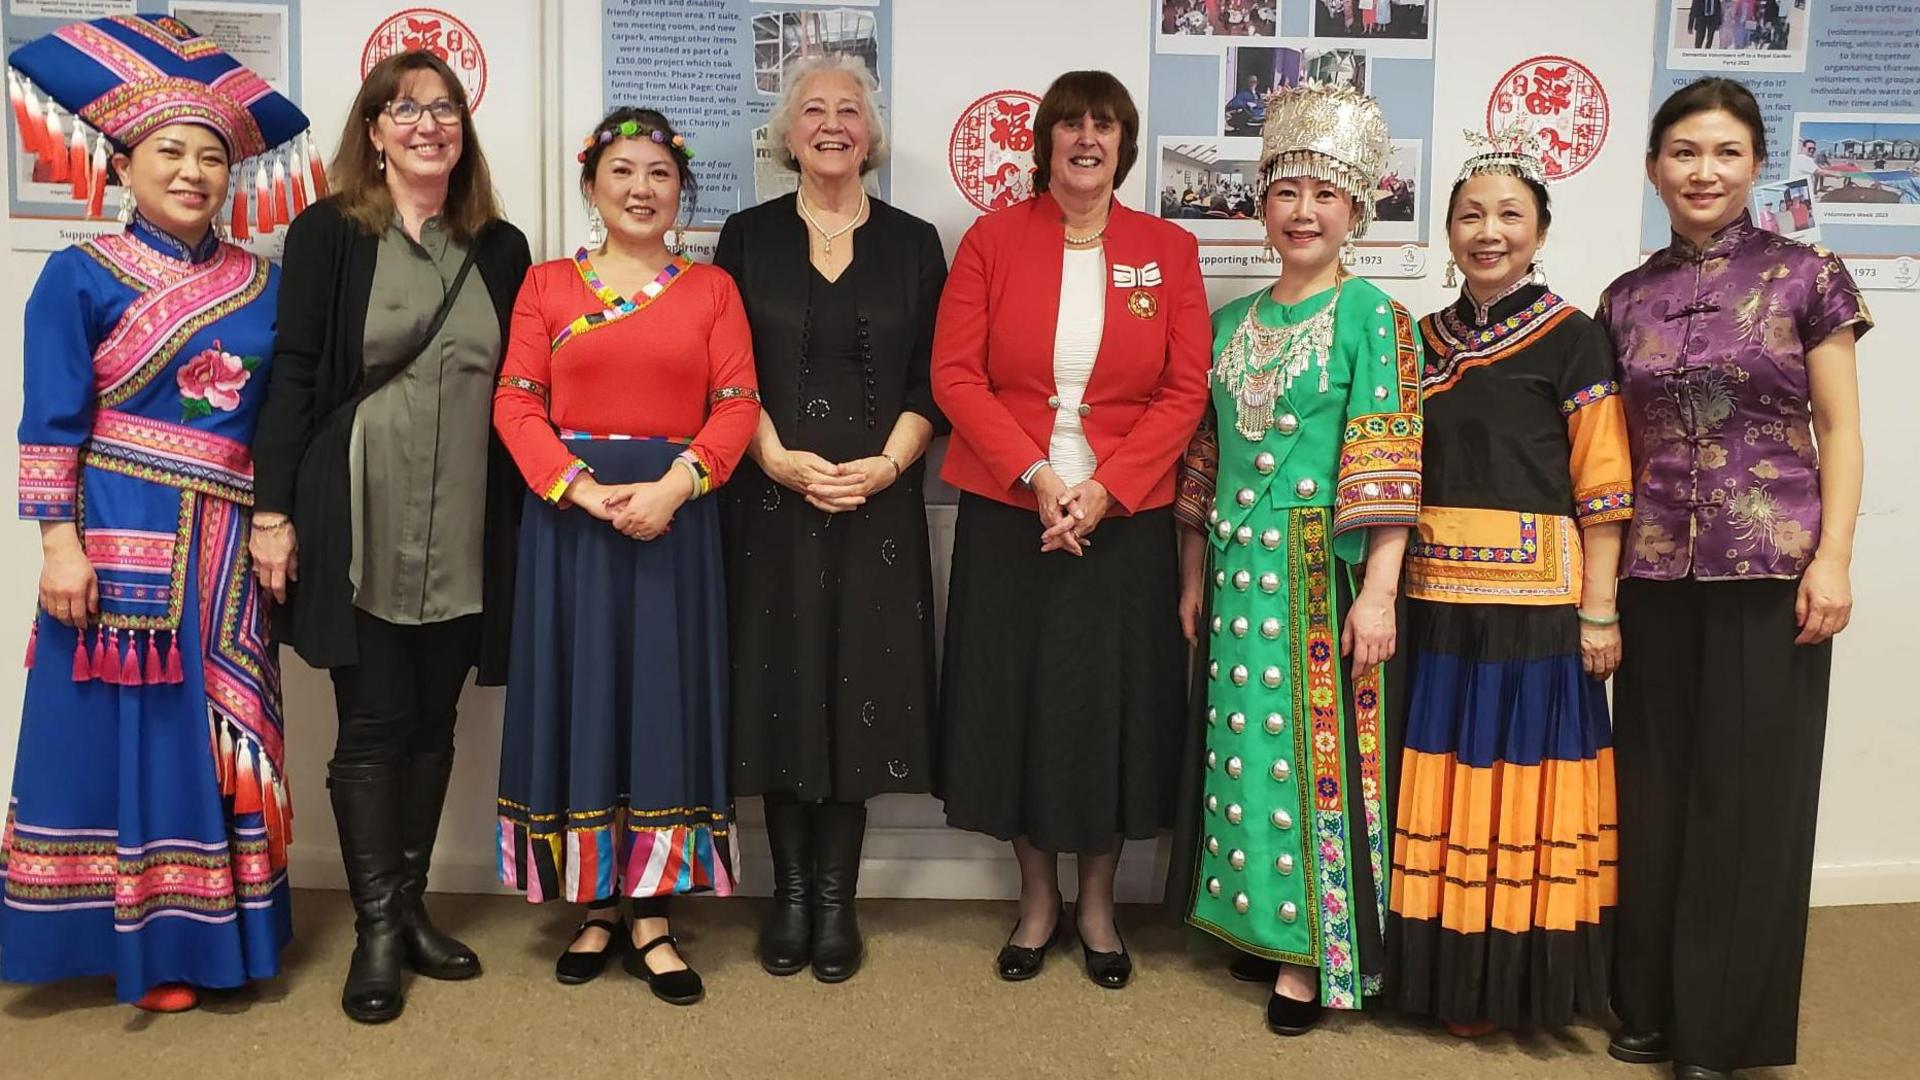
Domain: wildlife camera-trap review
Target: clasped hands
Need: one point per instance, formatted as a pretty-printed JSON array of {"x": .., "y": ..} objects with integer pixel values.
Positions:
[
  {"x": 640, "y": 511},
  {"x": 1068, "y": 515},
  {"x": 827, "y": 486}
]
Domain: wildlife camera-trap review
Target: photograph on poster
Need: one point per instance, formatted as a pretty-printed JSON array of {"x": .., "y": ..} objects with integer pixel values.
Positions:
[
  {"x": 1381, "y": 24},
  {"x": 784, "y": 38},
  {"x": 1738, "y": 35},
  {"x": 1248, "y": 73},
  {"x": 1866, "y": 168},
  {"x": 1785, "y": 207},
  {"x": 1210, "y": 186},
  {"x": 1201, "y": 19},
  {"x": 1396, "y": 204}
]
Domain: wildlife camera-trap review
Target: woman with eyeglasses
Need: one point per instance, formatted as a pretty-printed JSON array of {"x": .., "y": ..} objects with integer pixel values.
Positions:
[{"x": 386, "y": 509}]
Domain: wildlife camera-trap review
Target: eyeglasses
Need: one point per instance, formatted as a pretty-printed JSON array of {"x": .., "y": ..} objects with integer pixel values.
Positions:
[{"x": 407, "y": 112}]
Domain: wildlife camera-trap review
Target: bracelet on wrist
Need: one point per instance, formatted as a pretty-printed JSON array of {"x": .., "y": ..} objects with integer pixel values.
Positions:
[
  {"x": 1597, "y": 620},
  {"x": 260, "y": 526},
  {"x": 893, "y": 461}
]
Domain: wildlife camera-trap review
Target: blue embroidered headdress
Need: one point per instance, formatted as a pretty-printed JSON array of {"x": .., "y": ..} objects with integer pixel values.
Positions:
[{"x": 89, "y": 86}]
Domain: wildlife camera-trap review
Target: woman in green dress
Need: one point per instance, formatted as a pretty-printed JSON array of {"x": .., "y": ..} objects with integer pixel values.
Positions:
[{"x": 1299, "y": 491}]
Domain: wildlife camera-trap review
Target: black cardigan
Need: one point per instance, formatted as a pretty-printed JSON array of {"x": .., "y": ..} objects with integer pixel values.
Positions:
[
  {"x": 897, "y": 280},
  {"x": 300, "y": 448}
]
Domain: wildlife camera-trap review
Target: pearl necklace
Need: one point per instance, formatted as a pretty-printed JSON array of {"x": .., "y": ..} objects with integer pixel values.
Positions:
[
  {"x": 830, "y": 237},
  {"x": 1078, "y": 241}
]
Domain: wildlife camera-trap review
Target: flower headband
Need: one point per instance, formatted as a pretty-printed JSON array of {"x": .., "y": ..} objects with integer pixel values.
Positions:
[{"x": 632, "y": 129}]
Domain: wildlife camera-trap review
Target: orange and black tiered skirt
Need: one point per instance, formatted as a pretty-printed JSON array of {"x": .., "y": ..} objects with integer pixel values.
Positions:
[{"x": 1504, "y": 855}]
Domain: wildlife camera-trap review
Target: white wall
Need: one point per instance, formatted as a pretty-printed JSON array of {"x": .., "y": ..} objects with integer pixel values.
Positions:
[{"x": 544, "y": 91}]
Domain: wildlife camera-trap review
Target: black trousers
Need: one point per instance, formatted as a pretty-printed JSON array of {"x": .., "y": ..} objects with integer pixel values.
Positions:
[
  {"x": 400, "y": 700},
  {"x": 1719, "y": 722}
]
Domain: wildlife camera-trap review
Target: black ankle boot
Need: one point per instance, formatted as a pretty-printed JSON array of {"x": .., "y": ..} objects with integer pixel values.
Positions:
[
  {"x": 786, "y": 936},
  {"x": 429, "y": 952},
  {"x": 838, "y": 829},
  {"x": 366, "y": 808}
]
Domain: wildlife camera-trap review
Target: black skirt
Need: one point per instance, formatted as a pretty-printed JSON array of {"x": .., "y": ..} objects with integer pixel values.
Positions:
[
  {"x": 831, "y": 617},
  {"x": 1061, "y": 702}
]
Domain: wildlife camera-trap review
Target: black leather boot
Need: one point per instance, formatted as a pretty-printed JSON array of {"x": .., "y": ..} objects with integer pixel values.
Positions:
[
  {"x": 838, "y": 829},
  {"x": 429, "y": 952},
  {"x": 786, "y": 937},
  {"x": 366, "y": 808}
]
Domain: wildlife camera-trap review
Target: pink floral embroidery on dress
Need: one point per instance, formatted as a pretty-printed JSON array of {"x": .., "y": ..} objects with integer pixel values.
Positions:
[{"x": 212, "y": 381}]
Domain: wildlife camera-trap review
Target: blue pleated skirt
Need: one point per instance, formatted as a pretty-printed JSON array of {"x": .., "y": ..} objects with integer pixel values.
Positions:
[{"x": 613, "y": 762}]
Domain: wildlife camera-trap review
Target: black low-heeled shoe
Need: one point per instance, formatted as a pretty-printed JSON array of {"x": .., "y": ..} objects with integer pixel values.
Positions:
[
  {"x": 1698, "y": 1072},
  {"x": 672, "y": 987},
  {"x": 574, "y": 968},
  {"x": 1018, "y": 963},
  {"x": 1640, "y": 1047},
  {"x": 1249, "y": 968},
  {"x": 1285, "y": 1016},
  {"x": 1108, "y": 970}
]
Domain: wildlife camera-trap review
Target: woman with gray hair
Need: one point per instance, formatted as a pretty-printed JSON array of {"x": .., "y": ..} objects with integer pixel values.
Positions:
[{"x": 828, "y": 570}]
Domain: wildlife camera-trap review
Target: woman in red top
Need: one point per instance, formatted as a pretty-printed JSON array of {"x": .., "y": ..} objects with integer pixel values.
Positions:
[
  {"x": 1071, "y": 355},
  {"x": 628, "y": 393}
]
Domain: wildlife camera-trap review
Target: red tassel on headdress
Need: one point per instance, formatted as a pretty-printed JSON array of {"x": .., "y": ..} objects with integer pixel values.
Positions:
[
  {"x": 282, "y": 201},
  {"x": 237, "y": 222},
  {"x": 80, "y": 163},
  {"x": 262, "y": 202},
  {"x": 22, "y": 120},
  {"x": 154, "y": 672},
  {"x": 55, "y": 150},
  {"x": 106, "y": 661},
  {"x": 174, "y": 674},
  {"x": 82, "y": 669},
  {"x": 319, "y": 171},
  {"x": 33, "y": 133},
  {"x": 98, "y": 169},
  {"x": 296, "y": 177}
]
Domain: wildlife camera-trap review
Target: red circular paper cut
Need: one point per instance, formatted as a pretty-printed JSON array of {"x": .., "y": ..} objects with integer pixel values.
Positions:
[
  {"x": 1562, "y": 101},
  {"x": 991, "y": 149},
  {"x": 435, "y": 31}
]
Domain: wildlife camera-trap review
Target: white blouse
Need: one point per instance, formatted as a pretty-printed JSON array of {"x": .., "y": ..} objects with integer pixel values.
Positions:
[{"x": 1076, "y": 341}]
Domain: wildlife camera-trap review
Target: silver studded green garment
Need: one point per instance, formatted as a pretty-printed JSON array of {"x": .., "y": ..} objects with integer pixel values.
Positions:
[{"x": 1288, "y": 520}]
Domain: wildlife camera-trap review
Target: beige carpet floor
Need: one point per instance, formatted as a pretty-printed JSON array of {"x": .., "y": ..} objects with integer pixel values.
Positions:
[{"x": 926, "y": 1005}]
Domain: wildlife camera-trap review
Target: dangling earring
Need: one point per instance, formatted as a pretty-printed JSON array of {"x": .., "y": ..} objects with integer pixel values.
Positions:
[
  {"x": 1348, "y": 253},
  {"x": 672, "y": 239},
  {"x": 1452, "y": 278},
  {"x": 596, "y": 227},
  {"x": 380, "y": 161},
  {"x": 1539, "y": 272},
  {"x": 126, "y": 205}
]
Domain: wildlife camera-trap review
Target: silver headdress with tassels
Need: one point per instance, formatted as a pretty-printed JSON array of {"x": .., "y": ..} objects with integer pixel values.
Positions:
[
  {"x": 1332, "y": 133},
  {"x": 1511, "y": 151}
]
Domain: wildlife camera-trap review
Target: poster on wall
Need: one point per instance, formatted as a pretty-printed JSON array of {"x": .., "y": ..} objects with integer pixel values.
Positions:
[
  {"x": 262, "y": 34},
  {"x": 1214, "y": 62},
  {"x": 715, "y": 69},
  {"x": 1839, "y": 84}
]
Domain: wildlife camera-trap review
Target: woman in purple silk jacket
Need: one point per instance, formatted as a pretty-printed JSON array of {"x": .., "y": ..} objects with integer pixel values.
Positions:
[{"x": 1736, "y": 351}]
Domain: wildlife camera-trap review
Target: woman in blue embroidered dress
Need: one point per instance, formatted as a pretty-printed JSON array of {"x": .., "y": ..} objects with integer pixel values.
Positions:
[{"x": 146, "y": 835}]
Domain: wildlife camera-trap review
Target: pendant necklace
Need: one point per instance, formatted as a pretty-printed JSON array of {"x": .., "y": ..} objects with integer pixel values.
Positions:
[{"x": 843, "y": 230}]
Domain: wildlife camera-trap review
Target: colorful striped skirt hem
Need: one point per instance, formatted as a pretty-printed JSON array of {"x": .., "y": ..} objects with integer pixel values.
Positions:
[{"x": 1506, "y": 836}]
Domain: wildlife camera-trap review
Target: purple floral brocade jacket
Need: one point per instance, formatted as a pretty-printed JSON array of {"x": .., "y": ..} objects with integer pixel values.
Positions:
[{"x": 1713, "y": 347}]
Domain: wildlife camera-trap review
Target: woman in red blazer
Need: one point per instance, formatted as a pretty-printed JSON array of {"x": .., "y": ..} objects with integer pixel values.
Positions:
[{"x": 1071, "y": 354}]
